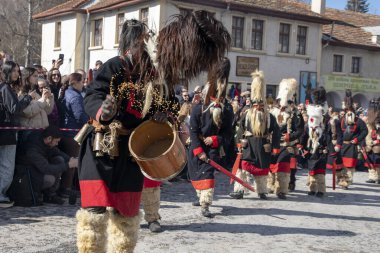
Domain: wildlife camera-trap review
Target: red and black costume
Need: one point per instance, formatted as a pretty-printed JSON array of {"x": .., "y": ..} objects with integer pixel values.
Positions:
[{"x": 202, "y": 126}]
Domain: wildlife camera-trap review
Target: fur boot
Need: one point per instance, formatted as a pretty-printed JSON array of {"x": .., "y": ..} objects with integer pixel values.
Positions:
[
  {"x": 282, "y": 182},
  {"x": 122, "y": 233},
  {"x": 206, "y": 197},
  {"x": 150, "y": 200},
  {"x": 261, "y": 184},
  {"x": 91, "y": 231},
  {"x": 271, "y": 182},
  {"x": 245, "y": 176}
]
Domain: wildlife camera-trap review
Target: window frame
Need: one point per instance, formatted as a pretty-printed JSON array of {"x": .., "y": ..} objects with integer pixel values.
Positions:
[
  {"x": 235, "y": 30},
  {"x": 119, "y": 27},
  {"x": 95, "y": 33},
  {"x": 58, "y": 34},
  {"x": 144, "y": 15},
  {"x": 283, "y": 35},
  {"x": 254, "y": 34},
  {"x": 335, "y": 69},
  {"x": 355, "y": 69},
  {"x": 304, "y": 40}
]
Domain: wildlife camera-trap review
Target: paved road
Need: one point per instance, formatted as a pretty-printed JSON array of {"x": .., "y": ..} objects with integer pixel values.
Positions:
[{"x": 343, "y": 221}]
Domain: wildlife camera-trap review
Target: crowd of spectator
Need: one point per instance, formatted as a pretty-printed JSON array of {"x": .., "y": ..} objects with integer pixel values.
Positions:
[{"x": 40, "y": 113}]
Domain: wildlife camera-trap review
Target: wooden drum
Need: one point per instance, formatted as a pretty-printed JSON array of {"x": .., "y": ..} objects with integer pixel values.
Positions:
[{"x": 158, "y": 150}]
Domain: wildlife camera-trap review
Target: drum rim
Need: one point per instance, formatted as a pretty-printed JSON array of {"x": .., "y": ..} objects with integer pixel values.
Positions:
[{"x": 175, "y": 135}]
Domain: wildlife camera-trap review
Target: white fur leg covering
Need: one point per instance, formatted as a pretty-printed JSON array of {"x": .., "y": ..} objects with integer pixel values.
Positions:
[
  {"x": 261, "y": 184},
  {"x": 206, "y": 197},
  {"x": 150, "y": 200},
  {"x": 243, "y": 175},
  {"x": 122, "y": 233},
  {"x": 198, "y": 193},
  {"x": 91, "y": 231}
]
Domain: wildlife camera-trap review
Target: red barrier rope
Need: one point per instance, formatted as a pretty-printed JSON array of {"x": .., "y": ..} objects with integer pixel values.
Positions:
[{"x": 31, "y": 128}]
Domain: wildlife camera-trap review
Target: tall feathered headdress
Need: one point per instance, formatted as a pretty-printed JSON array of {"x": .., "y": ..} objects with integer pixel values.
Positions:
[
  {"x": 257, "y": 87},
  {"x": 373, "y": 112},
  {"x": 319, "y": 98},
  {"x": 348, "y": 101},
  {"x": 287, "y": 89},
  {"x": 190, "y": 44}
]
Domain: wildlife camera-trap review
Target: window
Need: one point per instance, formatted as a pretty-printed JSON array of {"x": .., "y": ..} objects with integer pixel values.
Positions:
[
  {"x": 119, "y": 26},
  {"x": 284, "y": 38},
  {"x": 144, "y": 15},
  {"x": 301, "y": 39},
  {"x": 98, "y": 30},
  {"x": 257, "y": 34},
  {"x": 184, "y": 11},
  {"x": 57, "y": 39},
  {"x": 338, "y": 63},
  {"x": 237, "y": 31},
  {"x": 355, "y": 68}
]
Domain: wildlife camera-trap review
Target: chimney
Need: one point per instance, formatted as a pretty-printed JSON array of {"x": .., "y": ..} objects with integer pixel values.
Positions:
[{"x": 318, "y": 6}]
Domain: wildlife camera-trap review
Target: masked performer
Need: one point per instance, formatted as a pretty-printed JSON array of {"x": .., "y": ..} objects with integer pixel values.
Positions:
[
  {"x": 256, "y": 127},
  {"x": 334, "y": 142},
  {"x": 127, "y": 90},
  {"x": 314, "y": 144},
  {"x": 291, "y": 126},
  {"x": 209, "y": 123},
  {"x": 354, "y": 132},
  {"x": 373, "y": 142}
]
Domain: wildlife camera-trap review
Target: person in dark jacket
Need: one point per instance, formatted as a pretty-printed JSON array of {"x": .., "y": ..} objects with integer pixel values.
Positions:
[
  {"x": 10, "y": 105},
  {"x": 74, "y": 118},
  {"x": 46, "y": 162}
]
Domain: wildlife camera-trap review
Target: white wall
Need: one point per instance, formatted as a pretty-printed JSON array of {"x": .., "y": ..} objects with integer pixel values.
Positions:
[
  {"x": 110, "y": 48},
  {"x": 48, "y": 53},
  {"x": 276, "y": 66},
  {"x": 370, "y": 62}
]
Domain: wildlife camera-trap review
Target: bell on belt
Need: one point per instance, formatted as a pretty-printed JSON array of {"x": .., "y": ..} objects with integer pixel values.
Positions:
[
  {"x": 97, "y": 147},
  {"x": 82, "y": 133}
]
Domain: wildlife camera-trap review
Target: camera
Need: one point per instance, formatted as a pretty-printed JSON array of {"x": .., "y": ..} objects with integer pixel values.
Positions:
[{"x": 61, "y": 57}]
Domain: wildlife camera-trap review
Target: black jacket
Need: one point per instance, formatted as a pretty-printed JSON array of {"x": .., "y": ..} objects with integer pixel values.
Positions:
[
  {"x": 38, "y": 156},
  {"x": 10, "y": 106}
]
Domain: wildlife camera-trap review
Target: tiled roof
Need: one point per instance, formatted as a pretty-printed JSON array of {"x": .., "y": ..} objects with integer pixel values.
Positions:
[
  {"x": 67, "y": 7},
  {"x": 105, "y": 3},
  {"x": 289, "y": 6},
  {"x": 348, "y": 28}
]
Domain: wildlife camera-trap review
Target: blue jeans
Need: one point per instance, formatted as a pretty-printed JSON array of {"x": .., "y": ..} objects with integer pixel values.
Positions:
[{"x": 7, "y": 169}]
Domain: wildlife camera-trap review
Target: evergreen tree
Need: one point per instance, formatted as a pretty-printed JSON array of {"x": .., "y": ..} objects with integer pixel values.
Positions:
[{"x": 357, "y": 6}]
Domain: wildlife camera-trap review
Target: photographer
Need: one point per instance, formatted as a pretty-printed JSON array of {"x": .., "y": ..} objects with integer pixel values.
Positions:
[{"x": 36, "y": 114}]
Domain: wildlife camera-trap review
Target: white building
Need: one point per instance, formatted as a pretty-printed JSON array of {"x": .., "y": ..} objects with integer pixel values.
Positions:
[
  {"x": 351, "y": 56},
  {"x": 282, "y": 38}
]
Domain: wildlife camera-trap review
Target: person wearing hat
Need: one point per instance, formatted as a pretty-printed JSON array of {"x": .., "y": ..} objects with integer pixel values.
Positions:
[
  {"x": 373, "y": 142},
  {"x": 290, "y": 121},
  {"x": 354, "y": 133},
  {"x": 260, "y": 136}
]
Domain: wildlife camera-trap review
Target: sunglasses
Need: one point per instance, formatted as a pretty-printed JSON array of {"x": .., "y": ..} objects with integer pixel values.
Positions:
[{"x": 55, "y": 75}]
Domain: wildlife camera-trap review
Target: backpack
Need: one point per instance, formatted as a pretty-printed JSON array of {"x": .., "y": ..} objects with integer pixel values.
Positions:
[{"x": 21, "y": 190}]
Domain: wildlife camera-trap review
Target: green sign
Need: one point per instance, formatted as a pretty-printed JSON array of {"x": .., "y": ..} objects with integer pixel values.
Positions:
[{"x": 356, "y": 84}]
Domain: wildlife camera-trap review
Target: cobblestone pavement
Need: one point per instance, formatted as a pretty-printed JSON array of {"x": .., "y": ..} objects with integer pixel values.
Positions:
[{"x": 343, "y": 221}]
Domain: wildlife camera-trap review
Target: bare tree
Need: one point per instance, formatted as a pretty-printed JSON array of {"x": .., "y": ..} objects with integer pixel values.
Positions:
[
  {"x": 357, "y": 6},
  {"x": 20, "y": 35}
]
